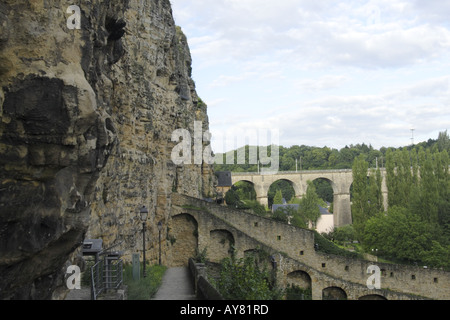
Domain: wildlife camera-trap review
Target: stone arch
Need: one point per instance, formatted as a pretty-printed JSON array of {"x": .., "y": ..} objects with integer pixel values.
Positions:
[
  {"x": 372, "y": 297},
  {"x": 299, "y": 285},
  {"x": 334, "y": 293},
  {"x": 331, "y": 182},
  {"x": 299, "y": 278},
  {"x": 259, "y": 189},
  {"x": 295, "y": 188},
  {"x": 250, "y": 183},
  {"x": 221, "y": 245},
  {"x": 183, "y": 237}
]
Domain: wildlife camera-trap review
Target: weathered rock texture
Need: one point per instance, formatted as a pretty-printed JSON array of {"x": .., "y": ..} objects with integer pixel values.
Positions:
[{"x": 86, "y": 118}]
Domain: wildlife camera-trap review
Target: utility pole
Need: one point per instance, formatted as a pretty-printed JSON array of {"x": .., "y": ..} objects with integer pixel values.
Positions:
[{"x": 412, "y": 137}]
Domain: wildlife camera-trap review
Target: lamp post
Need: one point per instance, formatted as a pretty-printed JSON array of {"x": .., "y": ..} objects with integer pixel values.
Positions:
[
  {"x": 144, "y": 214},
  {"x": 159, "y": 229}
]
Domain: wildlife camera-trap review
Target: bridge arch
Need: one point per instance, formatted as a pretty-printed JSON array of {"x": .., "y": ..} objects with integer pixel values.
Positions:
[
  {"x": 260, "y": 191},
  {"x": 296, "y": 190},
  {"x": 249, "y": 184},
  {"x": 331, "y": 182}
]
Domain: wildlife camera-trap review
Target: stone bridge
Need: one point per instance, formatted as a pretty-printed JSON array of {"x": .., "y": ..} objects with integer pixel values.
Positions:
[
  {"x": 198, "y": 225},
  {"x": 340, "y": 180}
]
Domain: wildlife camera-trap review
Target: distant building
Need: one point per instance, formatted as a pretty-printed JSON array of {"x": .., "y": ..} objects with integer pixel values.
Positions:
[
  {"x": 275, "y": 207},
  {"x": 223, "y": 184},
  {"x": 325, "y": 223}
]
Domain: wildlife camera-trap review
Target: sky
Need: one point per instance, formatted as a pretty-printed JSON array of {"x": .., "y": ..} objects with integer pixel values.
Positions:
[{"x": 320, "y": 73}]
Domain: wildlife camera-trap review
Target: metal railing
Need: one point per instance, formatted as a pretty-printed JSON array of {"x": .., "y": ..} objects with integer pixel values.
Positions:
[{"x": 106, "y": 274}]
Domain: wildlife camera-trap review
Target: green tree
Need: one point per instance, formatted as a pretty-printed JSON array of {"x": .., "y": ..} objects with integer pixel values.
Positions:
[
  {"x": 399, "y": 180},
  {"x": 231, "y": 197},
  {"x": 245, "y": 190},
  {"x": 287, "y": 191},
  {"x": 281, "y": 214},
  {"x": 444, "y": 197},
  {"x": 438, "y": 256},
  {"x": 375, "y": 193},
  {"x": 443, "y": 141},
  {"x": 426, "y": 200},
  {"x": 343, "y": 234},
  {"x": 367, "y": 194},
  {"x": 391, "y": 181},
  {"x": 242, "y": 280},
  {"x": 278, "y": 199},
  {"x": 398, "y": 234},
  {"x": 298, "y": 220},
  {"x": 360, "y": 202},
  {"x": 310, "y": 204}
]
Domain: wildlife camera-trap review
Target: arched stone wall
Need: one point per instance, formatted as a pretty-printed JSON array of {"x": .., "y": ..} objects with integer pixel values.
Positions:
[
  {"x": 334, "y": 293},
  {"x": 184, "y": 239},
  {"x": 300, "y": 279}
]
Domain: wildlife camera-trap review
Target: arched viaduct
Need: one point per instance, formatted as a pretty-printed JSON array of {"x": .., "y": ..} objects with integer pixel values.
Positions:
[
  {"x": 197, "y": 225},
  {"x": 340, "y": 180}
]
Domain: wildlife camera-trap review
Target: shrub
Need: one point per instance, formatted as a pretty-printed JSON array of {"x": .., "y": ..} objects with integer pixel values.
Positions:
[{"x": 242, "y": 280}]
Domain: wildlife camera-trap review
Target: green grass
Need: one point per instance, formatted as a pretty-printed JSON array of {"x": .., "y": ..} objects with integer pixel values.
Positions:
[
  {"x": 145, "y": 288},
  {"x": 328, "y": 247}
]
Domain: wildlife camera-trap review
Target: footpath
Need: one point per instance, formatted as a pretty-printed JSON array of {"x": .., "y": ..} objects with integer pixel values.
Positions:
[{"x": 177, "y": 284}]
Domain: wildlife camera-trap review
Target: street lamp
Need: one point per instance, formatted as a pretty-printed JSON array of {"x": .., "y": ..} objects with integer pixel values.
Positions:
[
  {"x": 159, "y": 229},
  {"x": 144, "y": 214}
]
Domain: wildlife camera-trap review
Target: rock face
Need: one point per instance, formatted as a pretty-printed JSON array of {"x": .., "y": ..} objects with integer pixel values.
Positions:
[{"x": 86, "y": 121}]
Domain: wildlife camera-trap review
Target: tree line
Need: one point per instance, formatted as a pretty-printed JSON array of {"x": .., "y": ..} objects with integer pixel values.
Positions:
[
  {"x": 416, "y": 226},
  {"x": 324, "y": 158}
]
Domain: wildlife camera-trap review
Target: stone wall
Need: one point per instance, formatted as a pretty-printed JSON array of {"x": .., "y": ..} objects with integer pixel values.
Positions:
[
  {"x": 86, "y": 117},
  {"x": 204, "y": 290},
  {"x": 293, "y": 249}
]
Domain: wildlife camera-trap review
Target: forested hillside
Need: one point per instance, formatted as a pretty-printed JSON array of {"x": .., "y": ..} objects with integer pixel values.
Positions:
[{"x": 318, "y": 158}]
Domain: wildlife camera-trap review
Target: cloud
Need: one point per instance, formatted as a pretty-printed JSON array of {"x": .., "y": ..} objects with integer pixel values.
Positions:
[
  {"x": 432, "y": 11},
  {"x": 375, "y": 119},
  {"x": 323, "y": 83},
  {"x": 227, "y": 80},
  {"x": 346, "y": 33},
  {"x": 350, "y": 72}
]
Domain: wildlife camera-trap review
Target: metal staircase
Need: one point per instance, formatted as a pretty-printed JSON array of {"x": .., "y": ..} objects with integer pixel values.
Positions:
[{"x": 107, "y": 272}]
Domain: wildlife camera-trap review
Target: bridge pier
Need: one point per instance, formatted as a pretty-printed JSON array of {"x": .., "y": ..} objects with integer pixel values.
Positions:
[
  {"x": 264, "y": 201},
  {"x": 342, "y": 209}
]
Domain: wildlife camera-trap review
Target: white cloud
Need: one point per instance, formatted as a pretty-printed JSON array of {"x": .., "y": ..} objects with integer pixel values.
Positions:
[
  {"x": 324, "y": 83},
  {"x": 226, "y": 80},
  {"x": 334, "y": 74}
]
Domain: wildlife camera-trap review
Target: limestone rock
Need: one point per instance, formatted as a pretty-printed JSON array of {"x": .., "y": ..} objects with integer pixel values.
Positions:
[{"x": 86, "y": 117}]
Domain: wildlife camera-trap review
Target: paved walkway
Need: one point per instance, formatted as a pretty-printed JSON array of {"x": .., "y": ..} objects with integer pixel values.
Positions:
[{"x": 176, "y": 284}]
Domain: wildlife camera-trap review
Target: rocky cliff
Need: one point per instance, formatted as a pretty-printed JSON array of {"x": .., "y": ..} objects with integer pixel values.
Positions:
[{"x": 86, "y": 119}]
